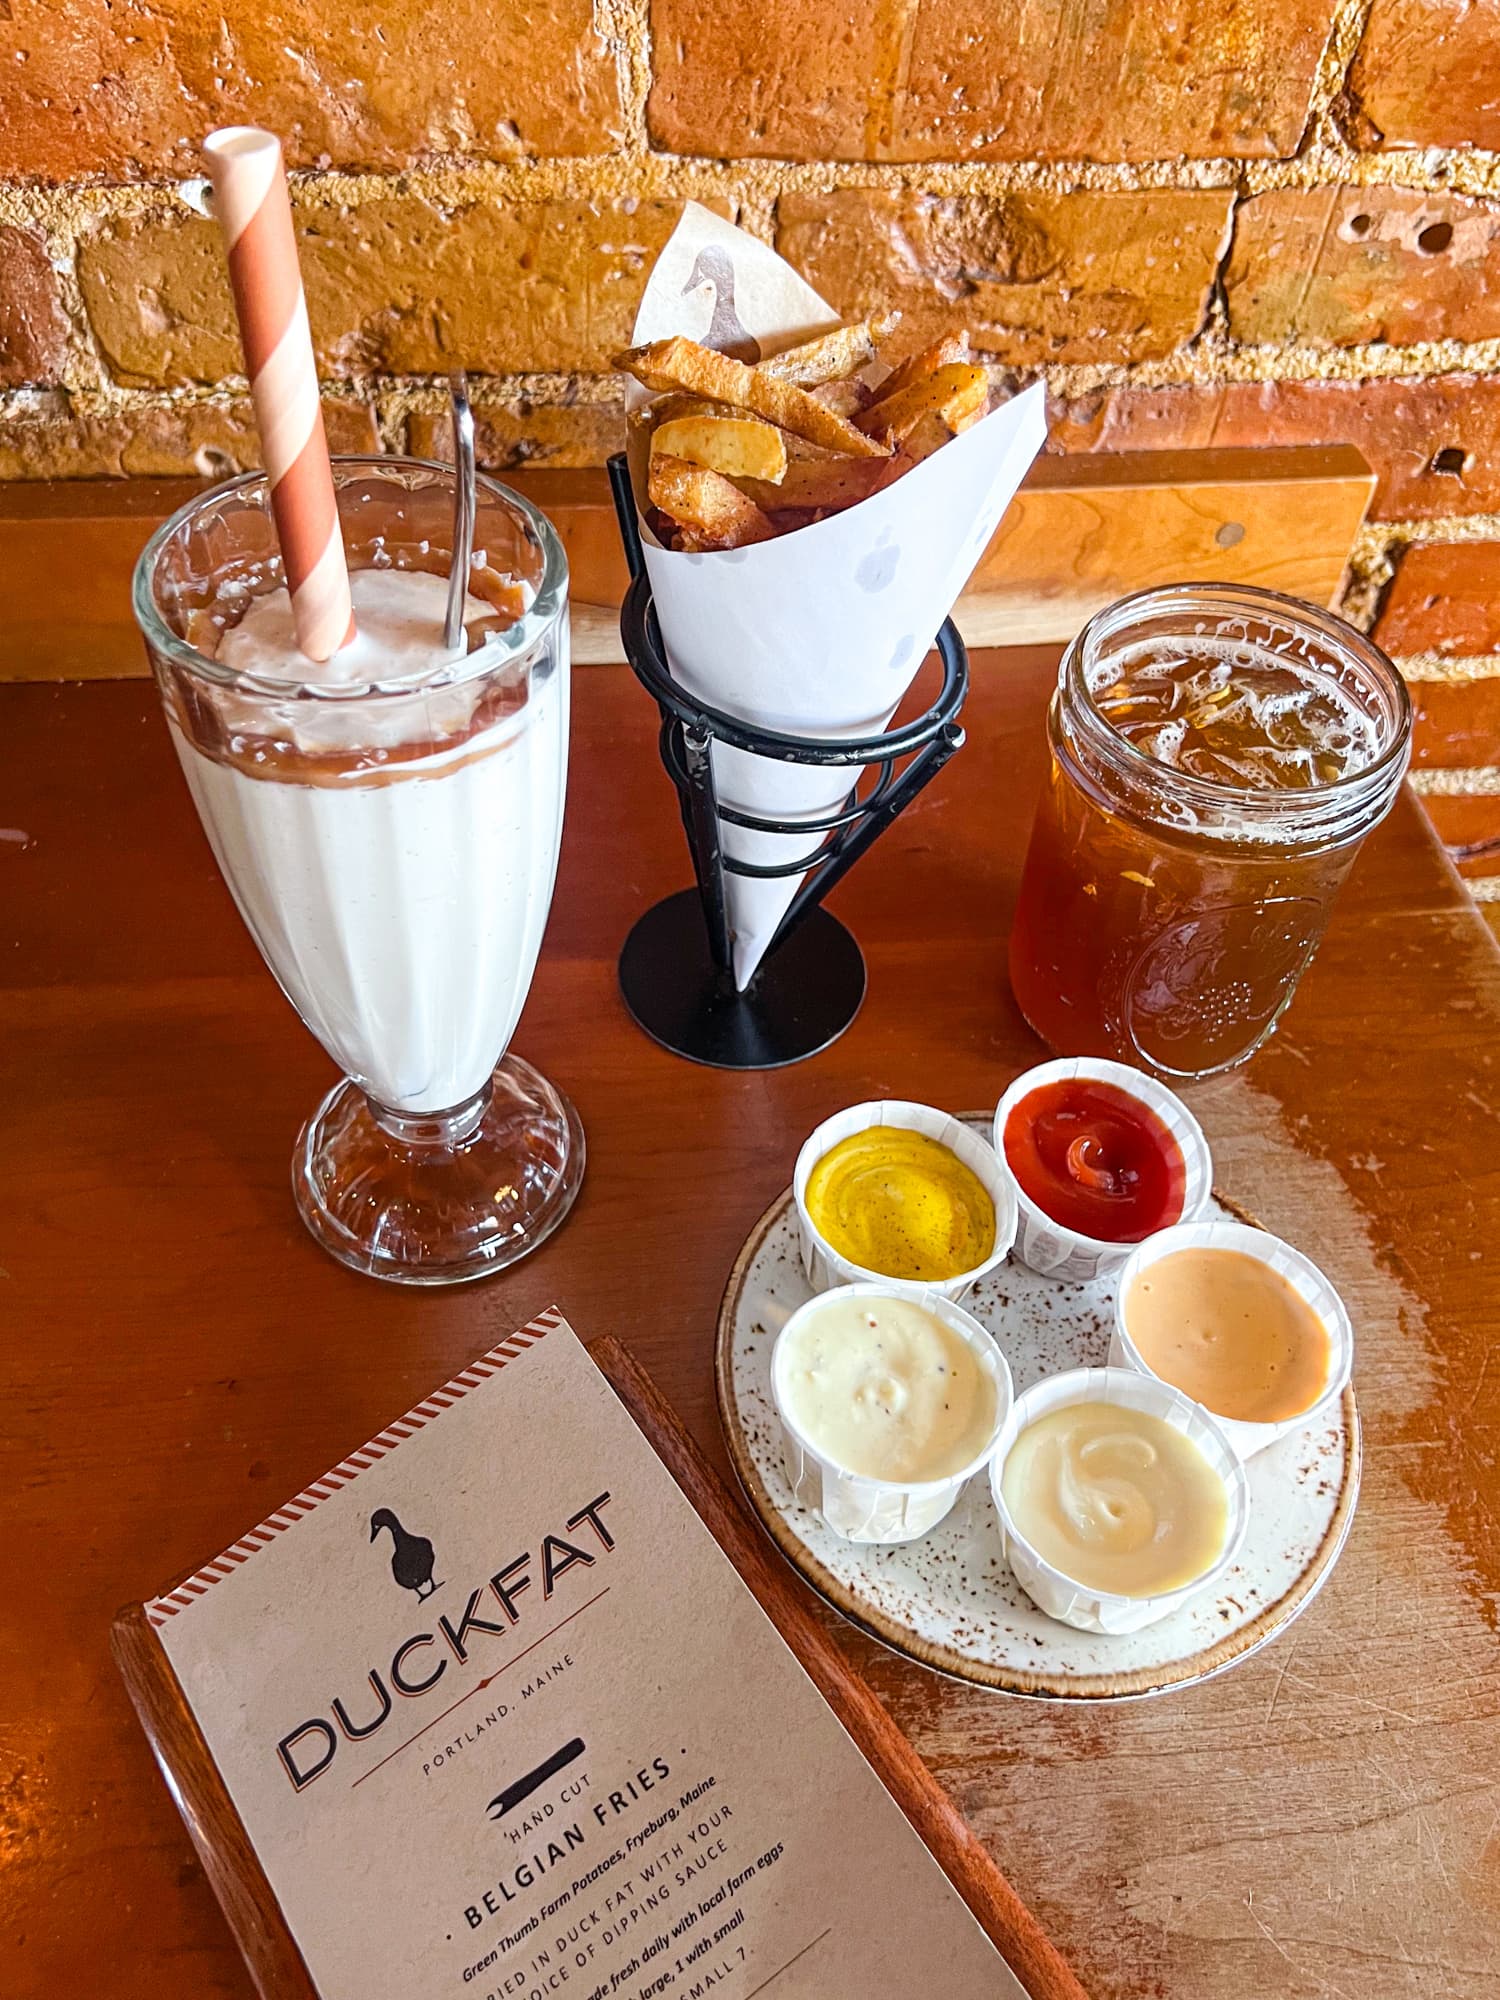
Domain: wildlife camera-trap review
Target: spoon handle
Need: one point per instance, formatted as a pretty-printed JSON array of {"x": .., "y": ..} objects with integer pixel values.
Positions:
[{"x": 463, "y": 507}]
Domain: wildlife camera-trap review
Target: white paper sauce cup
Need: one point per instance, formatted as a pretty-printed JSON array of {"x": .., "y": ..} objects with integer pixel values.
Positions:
[
  {"x": 882, "y": 1510},
  {"x": 824, "y": 1265},
  {"x": 1300, "y": 1273},
  {"x": 1049, "y": 1589},
  {"x": 1049, "y": 1248}
]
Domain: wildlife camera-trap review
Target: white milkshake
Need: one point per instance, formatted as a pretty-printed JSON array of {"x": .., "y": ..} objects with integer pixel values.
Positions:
[{"x": 392, "y": 853}]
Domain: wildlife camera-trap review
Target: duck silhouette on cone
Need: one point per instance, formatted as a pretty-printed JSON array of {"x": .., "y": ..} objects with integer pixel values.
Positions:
[
  {"x": 726, "y": 332},
  {"x": 412, "y": 1558}
]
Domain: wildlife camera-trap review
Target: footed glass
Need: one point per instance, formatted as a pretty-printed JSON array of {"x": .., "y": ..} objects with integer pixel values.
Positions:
[{"x": 389, "y": 829}]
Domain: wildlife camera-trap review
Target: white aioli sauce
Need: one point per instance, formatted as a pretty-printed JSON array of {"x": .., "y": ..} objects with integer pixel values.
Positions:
[
  {"x": 887, "y": 1390},
  {"x": 1116, "y": 1499}
]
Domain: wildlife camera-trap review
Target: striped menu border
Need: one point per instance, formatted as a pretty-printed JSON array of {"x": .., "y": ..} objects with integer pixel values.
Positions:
[{"x": 174, "y": 1602}]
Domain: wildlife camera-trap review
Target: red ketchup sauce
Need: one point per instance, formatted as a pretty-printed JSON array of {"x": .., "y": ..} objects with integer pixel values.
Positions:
[{"x": 1096, "y": 1160}]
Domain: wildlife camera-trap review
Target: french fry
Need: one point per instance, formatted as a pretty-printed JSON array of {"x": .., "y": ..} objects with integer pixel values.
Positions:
[
  {"x": 800, "y": 448},
  {"x": 846, "y": 398},
  {"x": 923, "y": 439},
  {"x": 954, "y": 392},
  {"x": 942, "y": 354},
  {"x": 682, "y": 365},
  {"x": 713, "y": 512},
  {"x": 666, "y": 409},
  {"x": 739, "y": 447},
  {"x": 832, "y": 483},
  {"x": 830, "y": 356},
  {"x": 507, "y": 596}
]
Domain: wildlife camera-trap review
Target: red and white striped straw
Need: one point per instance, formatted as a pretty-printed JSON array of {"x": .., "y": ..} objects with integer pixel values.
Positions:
[{"x": 255, "y": 214}]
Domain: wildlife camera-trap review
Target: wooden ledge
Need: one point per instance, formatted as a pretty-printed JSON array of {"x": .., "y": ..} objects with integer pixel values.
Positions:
[{"x": 1081, "y": 532}]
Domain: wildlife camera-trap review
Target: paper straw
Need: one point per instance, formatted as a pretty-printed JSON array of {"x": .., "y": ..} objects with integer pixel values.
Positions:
[{"x": 254, "y": 212}]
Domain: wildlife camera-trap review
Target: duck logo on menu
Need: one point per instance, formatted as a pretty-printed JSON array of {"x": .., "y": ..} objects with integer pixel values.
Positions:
[
  {"x": 727, "y": 332},
  {"x": 412, "y": 1558},
  {"x": 463, "y": 1635}
]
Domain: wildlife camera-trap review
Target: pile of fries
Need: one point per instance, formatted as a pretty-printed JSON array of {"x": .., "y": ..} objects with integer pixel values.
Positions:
[{"x": 729, "y": 454}]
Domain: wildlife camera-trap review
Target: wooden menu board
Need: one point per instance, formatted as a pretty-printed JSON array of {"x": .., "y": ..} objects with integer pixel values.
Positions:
[{"x": 491, "y": 1709}]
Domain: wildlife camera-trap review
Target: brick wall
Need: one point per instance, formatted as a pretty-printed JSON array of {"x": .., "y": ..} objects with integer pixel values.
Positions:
[{"x": 1210, "y": 221}]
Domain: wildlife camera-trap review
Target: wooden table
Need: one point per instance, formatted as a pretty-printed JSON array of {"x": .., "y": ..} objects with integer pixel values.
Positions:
[{"x": 1325, "y": 1820}]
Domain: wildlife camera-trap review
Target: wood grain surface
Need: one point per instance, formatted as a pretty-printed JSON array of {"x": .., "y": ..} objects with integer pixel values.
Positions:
[
  {"x": 1323, "y": 1821},
  {"x": 1083, "y": 532}
]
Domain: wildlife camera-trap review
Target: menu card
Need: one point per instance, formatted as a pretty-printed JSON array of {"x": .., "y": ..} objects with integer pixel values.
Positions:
[{"x": 500, "y": 1719}]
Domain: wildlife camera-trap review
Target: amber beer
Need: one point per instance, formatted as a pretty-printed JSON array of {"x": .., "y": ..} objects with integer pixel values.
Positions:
[{"x": 1218, "y": 755}]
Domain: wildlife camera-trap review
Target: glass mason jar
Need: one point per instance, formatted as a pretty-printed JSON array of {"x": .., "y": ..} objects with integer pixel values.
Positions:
[
  {"x": 389, "y": 829},
  {"x": 1165, "y": 915}
]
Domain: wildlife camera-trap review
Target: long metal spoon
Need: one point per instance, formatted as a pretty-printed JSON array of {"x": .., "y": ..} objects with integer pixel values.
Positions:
[{"x": 464, "y": 507}]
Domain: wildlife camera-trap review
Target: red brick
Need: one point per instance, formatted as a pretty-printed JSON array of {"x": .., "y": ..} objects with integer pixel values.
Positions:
[
  {"x": 1456, "y": 724},
  {"x": 33, "y": 325},
  {"x": 1428, "y": 74},
  {"x": 1409, "y": 431},
  {"x": 1034, "y": 277},
  {"x": 210, "y": 439},
  {"x": 90, "y": 88},
  {"x": 965, "y": 80},
  {"x": 1343, "y": 265},
  {"x": 394, "y": 285},
  {"x": 522, "y": 433},
  {"x": 1470, "y": 829},
  {"x": 1445, "y": 599}
]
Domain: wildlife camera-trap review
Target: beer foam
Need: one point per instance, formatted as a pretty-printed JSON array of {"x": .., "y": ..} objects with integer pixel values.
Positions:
[{"x": 1237, "y": 713}]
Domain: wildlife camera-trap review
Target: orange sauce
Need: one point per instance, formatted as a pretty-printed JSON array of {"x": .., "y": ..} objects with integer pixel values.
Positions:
[{"x": 1231, "y": 1333}]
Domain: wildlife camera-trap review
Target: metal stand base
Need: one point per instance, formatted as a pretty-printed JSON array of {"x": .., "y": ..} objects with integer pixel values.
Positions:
[
  {"x": 804, "y": 996},
  {"x": 675, "y": 968}
]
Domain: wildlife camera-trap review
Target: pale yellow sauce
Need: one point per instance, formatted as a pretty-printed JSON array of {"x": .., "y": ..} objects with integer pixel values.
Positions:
[
  {"x": 1231, "y": 1333},
  {"x": 897, "y": 1202},
  {"x": 886, "y": 1390},
  {"x": 1116, "y": 1499}
]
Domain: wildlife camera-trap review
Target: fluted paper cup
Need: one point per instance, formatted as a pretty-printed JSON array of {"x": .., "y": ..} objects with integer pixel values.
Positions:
[
  {"x": 1050, "y": 1248},
  {"x": 882, "y": 1510},
  {"x": 1300, "y": 1272},
  {"x": 822, "y": 631},
  {"x": 826, "y": 1267},
  {"x": 1052, "y": 1590}
]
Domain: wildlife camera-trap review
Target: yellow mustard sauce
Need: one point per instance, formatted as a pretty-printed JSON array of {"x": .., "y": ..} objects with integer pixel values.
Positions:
[{"x": 901, "y": 1204}]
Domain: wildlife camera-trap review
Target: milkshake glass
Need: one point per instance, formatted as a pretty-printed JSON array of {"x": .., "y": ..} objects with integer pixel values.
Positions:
[{"x": 388, "y": 824}]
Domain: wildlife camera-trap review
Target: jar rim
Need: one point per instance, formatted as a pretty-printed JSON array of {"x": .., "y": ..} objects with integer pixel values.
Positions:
[
  {"x": 513, "y": 641},
  {"x": 1351, "y": 790}
]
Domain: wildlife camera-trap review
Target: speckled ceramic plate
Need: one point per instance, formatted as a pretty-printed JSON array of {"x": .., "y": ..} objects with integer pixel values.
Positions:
[{"x": 949, "y": 1600}]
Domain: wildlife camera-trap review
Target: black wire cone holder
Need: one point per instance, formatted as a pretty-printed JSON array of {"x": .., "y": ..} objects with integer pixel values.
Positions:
[{"x": 676, "y": 970}]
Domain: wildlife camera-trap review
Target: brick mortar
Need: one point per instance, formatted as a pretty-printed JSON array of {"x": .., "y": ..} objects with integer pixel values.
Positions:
[
  {"x": 1331, "y": 84},
  {"x": 1474, "y": 782},
  {"x": 1450, "y": 670},
  {"x": 1321, "y": 162},
  {"x": 625, "y": 26},
  {"x": 1206, "y": 360},
  {"x": 415, "y": 392}
]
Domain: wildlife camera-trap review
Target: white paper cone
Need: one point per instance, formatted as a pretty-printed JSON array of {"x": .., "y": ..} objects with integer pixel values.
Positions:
[{"x": 819, "y": 632}]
